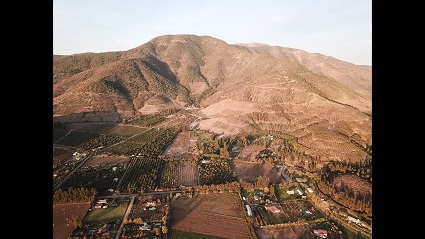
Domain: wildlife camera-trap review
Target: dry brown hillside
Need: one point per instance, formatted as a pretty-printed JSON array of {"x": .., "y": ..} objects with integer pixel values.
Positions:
[{"x": 324, "y": 102}]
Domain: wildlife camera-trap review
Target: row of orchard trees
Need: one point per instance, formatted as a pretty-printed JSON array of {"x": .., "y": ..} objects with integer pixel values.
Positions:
[
  {"x": 355, "y": 200},
  {"x": 216, "y": 171},
  {"x": 143, "y": 169},
  {"x": 360, "y": 201},
  {"x": 262, "y": 183},
  {"x": 217, "y": 188},
  {"x": 101, "y": 141},
  {"x": 361, "y": 169},
  {"x": 74, "y": 195}
]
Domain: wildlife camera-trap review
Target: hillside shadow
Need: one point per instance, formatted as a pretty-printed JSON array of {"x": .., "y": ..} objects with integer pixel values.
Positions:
[{"x": 94, "y": 116}]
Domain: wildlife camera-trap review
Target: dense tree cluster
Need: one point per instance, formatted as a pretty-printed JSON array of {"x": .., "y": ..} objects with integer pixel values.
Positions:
[{"x": 74, "y": 195}]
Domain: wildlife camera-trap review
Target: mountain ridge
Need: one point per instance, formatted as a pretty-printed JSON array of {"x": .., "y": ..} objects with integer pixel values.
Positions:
[{"x": 238, "y": 88}]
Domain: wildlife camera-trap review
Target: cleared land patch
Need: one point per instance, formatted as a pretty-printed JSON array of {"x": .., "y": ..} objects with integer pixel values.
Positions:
[
  {"x": 211, "y": 214},
  {"x": 63, "y": 215},
  {"x": 250, "y": 171},
  {"x": 105, "y": 159},
  {"x": 179, "y": 145}
]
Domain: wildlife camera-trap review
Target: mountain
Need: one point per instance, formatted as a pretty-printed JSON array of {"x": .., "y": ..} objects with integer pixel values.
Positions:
[{"x": 323, "y": 102}]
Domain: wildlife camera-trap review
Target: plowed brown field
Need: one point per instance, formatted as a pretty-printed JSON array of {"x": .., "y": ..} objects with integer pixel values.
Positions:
[
  {"x": 211, "y": 214},
  {"x": 249, "y": 171},
  {"x": 62, "y": 217}
]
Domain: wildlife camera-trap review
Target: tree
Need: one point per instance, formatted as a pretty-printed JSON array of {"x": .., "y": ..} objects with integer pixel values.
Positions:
[
  {"x": 76, "y": 222},
  {"x": 138, "y": 220},
  {"x": 157, "y": 231},
  {"x": 164, "y": 219},
  {"x": 272, "y": 193},
  {"x": 164, "y": 229}
]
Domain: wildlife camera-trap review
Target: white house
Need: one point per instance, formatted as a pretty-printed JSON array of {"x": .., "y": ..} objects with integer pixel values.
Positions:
[{"x": 355, "y": 220}]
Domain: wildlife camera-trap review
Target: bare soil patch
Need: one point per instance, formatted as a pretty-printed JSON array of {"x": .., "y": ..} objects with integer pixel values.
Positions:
[
  {"x": 250, "y": 171},
  {"x": 105, "y": 159},
  {"x": 250, "y": 151},
  {"x": 62, "y": 218},
  {"x": 211, "y": 214},
  {"x": 179, "y": 146}
]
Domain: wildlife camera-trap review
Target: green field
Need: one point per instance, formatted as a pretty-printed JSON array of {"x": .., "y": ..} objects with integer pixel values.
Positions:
[
  {"x": 111, "y": 214},
  {"x": 175, "y": 234}
]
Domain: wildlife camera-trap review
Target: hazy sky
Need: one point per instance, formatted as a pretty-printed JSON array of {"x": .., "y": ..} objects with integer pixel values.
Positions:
[{"x": 337, "y": 28}]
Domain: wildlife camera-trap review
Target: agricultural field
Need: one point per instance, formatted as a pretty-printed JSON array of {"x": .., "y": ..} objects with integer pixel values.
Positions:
[
  {"x": 94, "y": 127},
  {"x": 97, "y": 218},
  {"x": 65, "y": 218},
  {"x": 148, "y": 120},
  {"x": 141, "y": 175},
  {"x": 60, "y": 157},
  {"x": 176, "y": 234},
  {"x": 216, "y": 171},
  {"x": 179, "y": 173},
  {"x": 58, "y": 134},
  {"x": 152, "y": 140},
  {"x": 179, "y": 146},
  {"x": 249, "y": 171},
  {"x": 220, "y": 215},
  {"x": 106, "y": 159},
  {"x": 127, "y": 130},
  {"x": 102, "y": 177},
  {"x": 76, "y": 138},
  {"x": 285, "y": 232}
]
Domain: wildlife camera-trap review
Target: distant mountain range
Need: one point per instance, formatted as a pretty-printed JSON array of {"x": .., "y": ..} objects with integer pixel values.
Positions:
[{"x": 324, "y": 102}]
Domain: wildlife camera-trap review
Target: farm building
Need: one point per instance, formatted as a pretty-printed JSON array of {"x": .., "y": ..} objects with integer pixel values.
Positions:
[
  {"x": 310, "y": 190},
  {"x": 299, "y": 192},
  {"x": 290, "y": 192},
  {"x": 320, "y": 233},
  {"x": 355, "y": 220},
  {"x": 100, "y": 201},
  {"x": 145, "y": 227},
  {"x": 248, "y": 209},
  {"x": 272, "y": 209}
]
